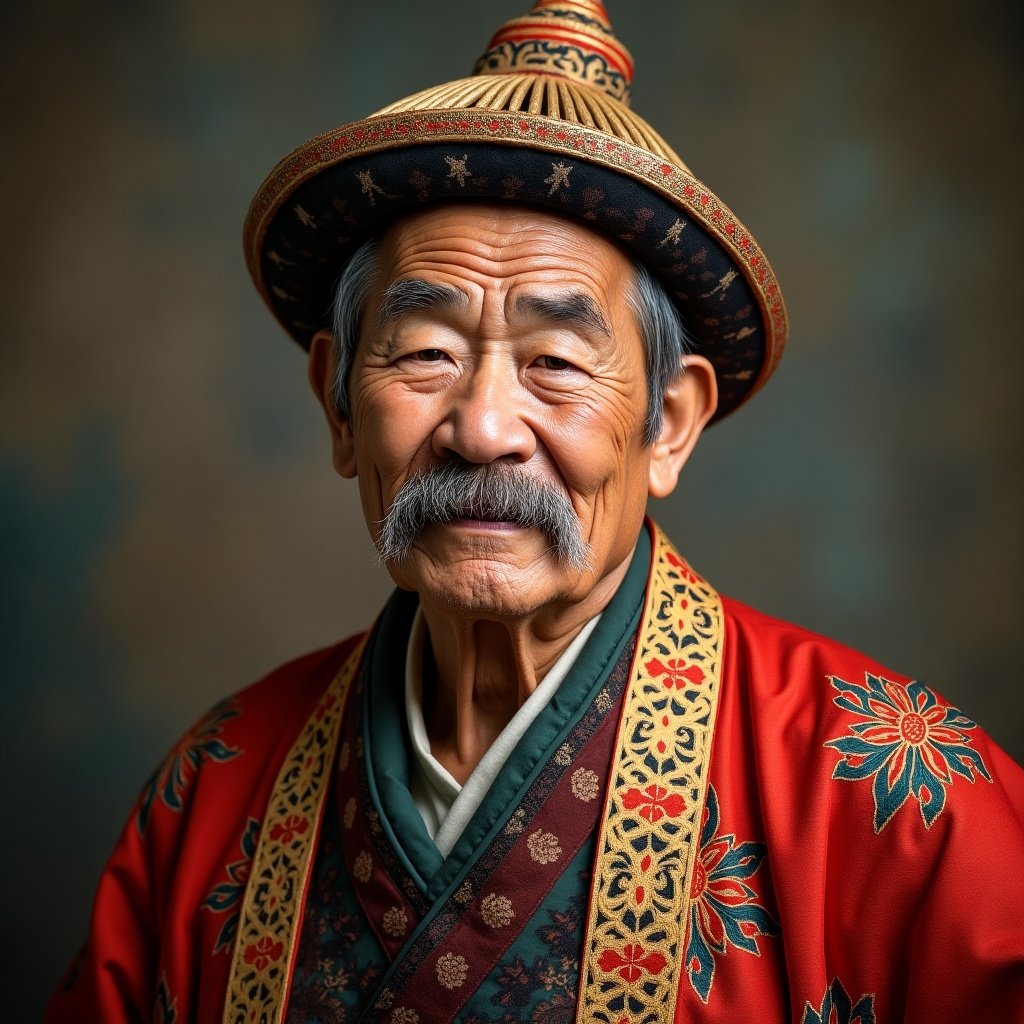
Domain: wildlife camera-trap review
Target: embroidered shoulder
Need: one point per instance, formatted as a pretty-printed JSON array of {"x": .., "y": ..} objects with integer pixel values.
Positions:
[
  {"x": 907, "y": 741},
  {"x": 169, "y": 784},
  {"x": 261, "y": 718}
]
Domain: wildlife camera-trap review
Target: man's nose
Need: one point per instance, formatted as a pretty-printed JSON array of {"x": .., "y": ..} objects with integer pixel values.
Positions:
[{"x": 484, "y": 421}]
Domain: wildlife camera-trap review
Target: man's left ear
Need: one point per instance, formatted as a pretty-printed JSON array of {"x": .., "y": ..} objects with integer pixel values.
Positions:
[{"x": 690, "y": 401}]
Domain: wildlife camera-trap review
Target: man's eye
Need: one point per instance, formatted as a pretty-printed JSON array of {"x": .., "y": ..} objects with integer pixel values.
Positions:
[
  {"x": 553, "y": 363},
  {"x": 429, "y": 355}
]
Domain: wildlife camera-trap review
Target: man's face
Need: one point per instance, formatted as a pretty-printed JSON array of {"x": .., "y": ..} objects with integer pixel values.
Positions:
[{"x": 521, "y": 352}]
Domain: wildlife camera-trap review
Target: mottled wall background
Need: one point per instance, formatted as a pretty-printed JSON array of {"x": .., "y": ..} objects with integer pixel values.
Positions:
[{"x": 171, "y": 526}]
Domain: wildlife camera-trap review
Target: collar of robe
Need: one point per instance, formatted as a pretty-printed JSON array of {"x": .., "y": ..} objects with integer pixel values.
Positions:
[{"x": 652, "y": 720}]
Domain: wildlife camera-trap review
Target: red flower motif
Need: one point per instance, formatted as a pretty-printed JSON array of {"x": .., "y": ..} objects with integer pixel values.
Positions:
[
  {"x": 262, "y": 953},
  {"x": 684, "y": 570},
  {"x": 325, "y": 706},
  {"x": 287, "y": 830},
  {"x": 655, "y": 802},
  {"x": 632, "y": 963},
  {"x": 677, "y": 673}
]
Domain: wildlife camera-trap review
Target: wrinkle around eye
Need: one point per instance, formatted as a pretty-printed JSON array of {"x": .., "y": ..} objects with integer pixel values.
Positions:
[
  {"x": 428, "y": 367},
  {"x": 568, "y": 385}
]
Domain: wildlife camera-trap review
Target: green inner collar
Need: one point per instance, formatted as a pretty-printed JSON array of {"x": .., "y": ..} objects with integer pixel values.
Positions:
[{"x": 388, "y": 746}]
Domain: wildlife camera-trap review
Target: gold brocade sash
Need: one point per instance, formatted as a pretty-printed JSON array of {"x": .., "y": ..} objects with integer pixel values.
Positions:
[
  {"x": 654, "y": 804},
  {"x": 270, "y": 916},
  {"x": 636, "y": 929}
]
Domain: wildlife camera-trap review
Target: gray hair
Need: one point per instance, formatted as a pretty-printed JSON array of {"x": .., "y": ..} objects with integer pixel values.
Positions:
[{"x": 665, "y": 337}]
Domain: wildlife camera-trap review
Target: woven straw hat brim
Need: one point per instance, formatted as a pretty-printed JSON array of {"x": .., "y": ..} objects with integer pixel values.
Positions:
[{"x": 329, "y": 195}]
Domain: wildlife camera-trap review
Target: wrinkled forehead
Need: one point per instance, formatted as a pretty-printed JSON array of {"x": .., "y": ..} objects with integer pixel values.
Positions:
[{"x": 504, "y": 246}]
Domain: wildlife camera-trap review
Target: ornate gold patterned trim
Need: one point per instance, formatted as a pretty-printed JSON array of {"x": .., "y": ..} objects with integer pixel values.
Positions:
[
  {"x": 573, "y": 41},
  {"x": 268, "y": 928},
  {"x": 636, "y": 930}
]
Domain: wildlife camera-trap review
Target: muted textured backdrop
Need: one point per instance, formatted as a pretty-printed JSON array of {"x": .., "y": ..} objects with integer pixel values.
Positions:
[{"x": 171, "y": 526}]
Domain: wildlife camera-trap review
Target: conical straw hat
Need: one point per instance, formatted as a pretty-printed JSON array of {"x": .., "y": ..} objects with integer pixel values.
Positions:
[{"x": 544, "y": 120}]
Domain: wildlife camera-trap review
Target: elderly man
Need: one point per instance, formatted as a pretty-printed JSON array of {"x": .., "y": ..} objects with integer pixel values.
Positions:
[{"x": 561, "y": 777}]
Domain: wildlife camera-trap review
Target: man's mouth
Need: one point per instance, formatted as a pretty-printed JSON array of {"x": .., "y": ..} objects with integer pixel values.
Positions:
[{"x": 480, "y": 523}]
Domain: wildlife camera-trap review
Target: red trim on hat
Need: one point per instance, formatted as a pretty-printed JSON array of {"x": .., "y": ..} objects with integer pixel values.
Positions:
[{"x": 617, "y": 58}]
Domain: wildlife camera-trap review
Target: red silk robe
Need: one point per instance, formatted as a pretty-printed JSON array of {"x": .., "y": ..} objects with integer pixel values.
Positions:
[{"x": 857, "y": 849}]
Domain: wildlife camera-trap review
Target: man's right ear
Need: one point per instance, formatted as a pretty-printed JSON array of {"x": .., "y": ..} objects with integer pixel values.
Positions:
[{"x": 322, "y": 370}]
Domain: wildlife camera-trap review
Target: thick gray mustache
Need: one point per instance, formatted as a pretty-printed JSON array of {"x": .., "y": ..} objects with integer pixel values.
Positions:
[{"x": 462, "y": 490}]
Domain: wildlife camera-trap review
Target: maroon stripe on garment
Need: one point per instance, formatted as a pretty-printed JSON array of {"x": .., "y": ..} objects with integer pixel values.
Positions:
[
  {"x": 387, "y": 908},
  {"x": 511, "y": 879}
]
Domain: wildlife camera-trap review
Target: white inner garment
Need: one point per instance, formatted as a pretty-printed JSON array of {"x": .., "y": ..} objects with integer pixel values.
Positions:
[{"x": 445, "y": 806}]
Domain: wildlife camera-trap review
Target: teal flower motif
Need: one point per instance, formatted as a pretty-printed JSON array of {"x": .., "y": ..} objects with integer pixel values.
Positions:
[
  {"x": 227, "y": 895},
  {"x": 202, "y": 743},
  {"x": 165, "y": 1008},
  {"x": 909, "y": 744},
  {"x": 723, "y": 908},
  {"x": 837, "y": 1009}
]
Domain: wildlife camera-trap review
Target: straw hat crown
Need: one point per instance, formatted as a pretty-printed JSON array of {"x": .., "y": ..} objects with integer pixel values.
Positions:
[{"x": 562, "y": 60}]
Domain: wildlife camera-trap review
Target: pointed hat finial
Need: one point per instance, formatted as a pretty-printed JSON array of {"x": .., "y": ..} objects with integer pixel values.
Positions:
[{"x": 569, "y": 38}]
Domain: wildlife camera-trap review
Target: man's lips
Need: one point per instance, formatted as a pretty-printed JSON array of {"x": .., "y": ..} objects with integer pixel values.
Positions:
[{"x": 497, "y": 525}]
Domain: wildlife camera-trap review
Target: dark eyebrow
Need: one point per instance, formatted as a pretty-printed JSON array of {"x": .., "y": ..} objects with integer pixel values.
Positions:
[
  {"x": 410, "y": 295},
  {"x": 572, "y": 307}
]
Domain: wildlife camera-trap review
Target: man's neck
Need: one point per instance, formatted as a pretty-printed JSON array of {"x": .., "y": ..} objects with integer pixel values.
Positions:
[{"x": 479, "y": 672}]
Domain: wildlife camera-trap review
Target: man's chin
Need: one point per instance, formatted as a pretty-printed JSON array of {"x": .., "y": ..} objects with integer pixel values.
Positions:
[{"x": 488, "y": 581}]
